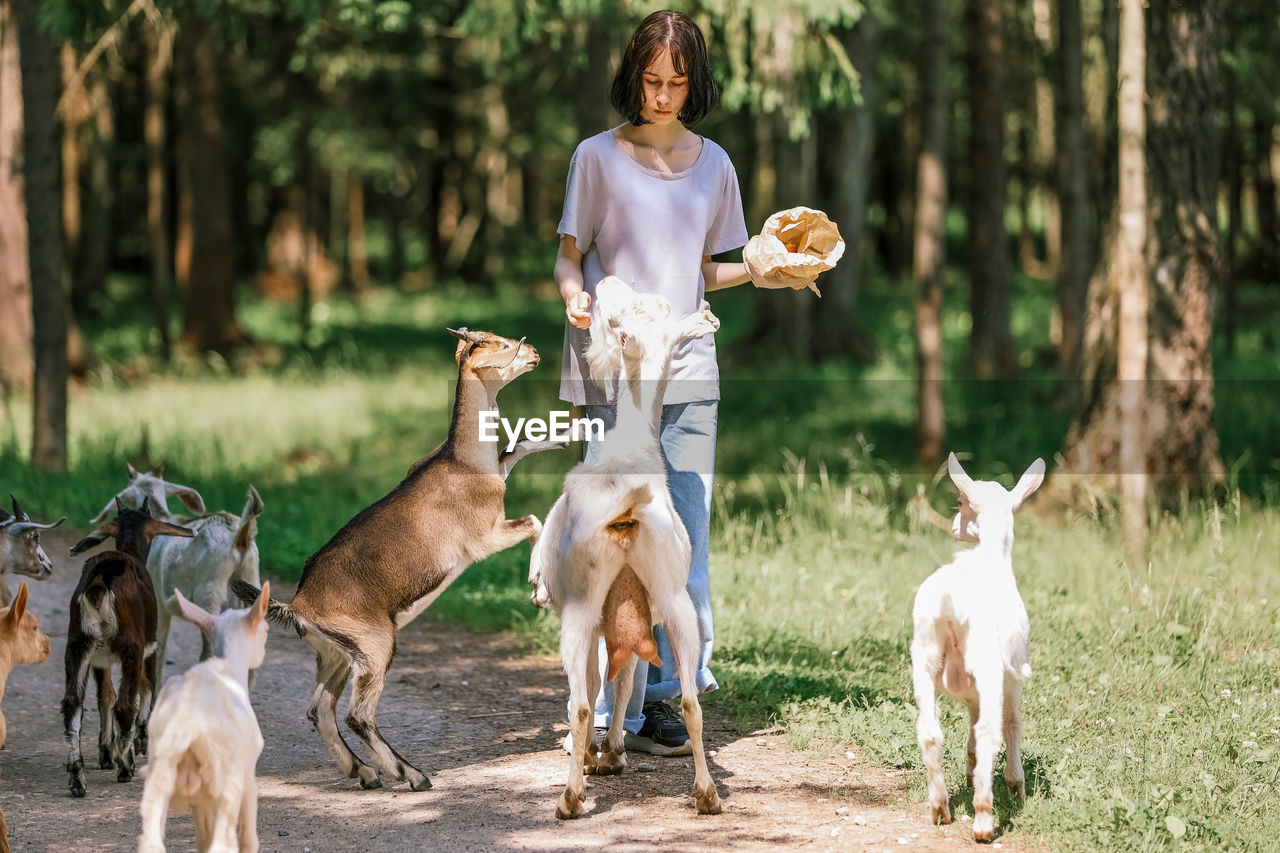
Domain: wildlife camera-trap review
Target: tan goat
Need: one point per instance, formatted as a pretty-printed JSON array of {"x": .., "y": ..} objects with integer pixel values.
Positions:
[
  {"x": 395, "y": 557},
  {"x": 21, "y": 641}
]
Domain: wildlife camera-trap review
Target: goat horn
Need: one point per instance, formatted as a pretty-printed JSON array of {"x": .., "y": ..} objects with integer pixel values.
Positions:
[
  {"x": 17, "y": 510},
  {"x": 158, "y": 469},
  {"x": 19, "y": 527},
  {"x": 120, "y": 507},
  {"x": 519, "y": 345}
]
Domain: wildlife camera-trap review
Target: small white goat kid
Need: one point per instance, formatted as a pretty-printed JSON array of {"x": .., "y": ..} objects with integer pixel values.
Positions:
[
  {"x": 613, "y": 544},
  {"x": 205, "y": 739},
  {"x": 972, "y": 640}
]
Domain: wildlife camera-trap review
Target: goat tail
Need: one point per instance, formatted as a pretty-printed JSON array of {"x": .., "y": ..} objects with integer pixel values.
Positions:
[
  {"x": 278, "y": 612},
  {"x": 621, "y": 524},
  {"x": 249, "y": 521}
]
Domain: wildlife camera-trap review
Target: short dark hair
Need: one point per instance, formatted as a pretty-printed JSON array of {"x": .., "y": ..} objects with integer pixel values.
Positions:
[{"x": 676, "y": 32}]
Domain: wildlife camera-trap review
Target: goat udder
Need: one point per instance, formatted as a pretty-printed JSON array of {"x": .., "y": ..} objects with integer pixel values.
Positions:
[{"x": 628, "y": 623}]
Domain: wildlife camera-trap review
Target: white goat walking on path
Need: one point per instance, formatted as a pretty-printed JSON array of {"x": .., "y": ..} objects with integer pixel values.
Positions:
[
  {"x": 205, "y": 739},
  {"x": 613, "y": 547},
  {"x": 972, "y": 641}
]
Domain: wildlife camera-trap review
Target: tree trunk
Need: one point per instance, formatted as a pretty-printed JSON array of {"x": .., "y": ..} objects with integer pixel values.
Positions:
[
  {"x": 207, "y": 261},
  {"x": 1183, "y": 260},
  {"x": 848, "y": 173},
  {"x": 991, "y": 349},
  {"x": 159, "y": 59},
  {"x": 39, "y": 63},
  {"x": 930, "y": 246},
  {"x": 1264, "y": 185},
  {"x": 15, "y": 277},
  {"x": 1233, "y": 175},
  {"x": 1130, "y": 271},
  {"x": 357, "y": 251},
  {"x": 1073, "y": 190},
  {"x": 89, "y": 276}
]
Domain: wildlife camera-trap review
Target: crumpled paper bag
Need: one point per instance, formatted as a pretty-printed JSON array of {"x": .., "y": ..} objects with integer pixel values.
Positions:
[{"x": 792, "y": 248}]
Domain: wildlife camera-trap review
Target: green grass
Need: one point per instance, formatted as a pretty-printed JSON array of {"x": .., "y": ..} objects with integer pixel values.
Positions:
[{"x": 1131, "y": 740}]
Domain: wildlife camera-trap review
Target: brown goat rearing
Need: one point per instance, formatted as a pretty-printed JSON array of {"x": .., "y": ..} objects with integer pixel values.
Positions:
[{"x": 396, "y": 556}]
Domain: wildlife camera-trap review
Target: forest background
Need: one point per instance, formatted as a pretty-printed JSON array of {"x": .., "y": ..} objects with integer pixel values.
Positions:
[{"x": 232, "y": 234}]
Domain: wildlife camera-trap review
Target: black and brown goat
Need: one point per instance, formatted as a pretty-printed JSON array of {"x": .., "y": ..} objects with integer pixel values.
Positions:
[
  {"x": 395, "y": 557},
  {"x": 113, "y": 620}
]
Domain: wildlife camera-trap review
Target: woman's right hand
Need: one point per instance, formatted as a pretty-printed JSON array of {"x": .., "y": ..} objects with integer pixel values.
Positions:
[{"x": 578, "y": 310}]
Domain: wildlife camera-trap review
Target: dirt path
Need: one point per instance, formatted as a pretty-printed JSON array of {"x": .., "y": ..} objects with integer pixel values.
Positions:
[{"x": 485, "y": 719}]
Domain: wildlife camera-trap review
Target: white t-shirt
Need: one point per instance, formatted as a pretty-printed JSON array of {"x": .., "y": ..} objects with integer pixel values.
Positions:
[{"x": 650, "y": 229}]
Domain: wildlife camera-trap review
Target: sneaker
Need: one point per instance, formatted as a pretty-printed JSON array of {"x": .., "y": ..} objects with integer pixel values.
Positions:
[
  {"x": 663, "y": 732},
  {"x": 600, "y": 735}
]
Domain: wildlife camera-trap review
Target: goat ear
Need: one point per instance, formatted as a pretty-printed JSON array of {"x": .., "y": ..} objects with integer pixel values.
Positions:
[
  {"x": 19, "y": 605},
  {"x": 958, "y": 476},
  {"x": 1029, "y": 482},
  {"x": 95, "y": 538},
  {"x": 187, "y": 495},
  {"x": 155, "y": 527},
  {"x": 258, "y": 611},
  {"x": 193, "y": 613}
]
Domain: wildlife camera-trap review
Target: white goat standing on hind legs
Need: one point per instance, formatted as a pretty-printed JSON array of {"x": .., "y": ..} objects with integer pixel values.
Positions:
[
  {"x": 613, "y": 547},
  {"x": 972, "y": 640}
]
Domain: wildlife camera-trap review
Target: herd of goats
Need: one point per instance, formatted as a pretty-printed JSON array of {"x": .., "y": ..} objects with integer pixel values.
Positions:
[{"x": 612, "y": 559}]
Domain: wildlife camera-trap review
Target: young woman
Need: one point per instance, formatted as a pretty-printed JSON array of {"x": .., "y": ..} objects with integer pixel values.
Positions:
[{"x": 651, "y": 202}]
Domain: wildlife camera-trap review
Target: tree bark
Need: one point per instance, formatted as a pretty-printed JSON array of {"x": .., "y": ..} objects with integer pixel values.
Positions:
[
  {"x": 1073, "y": 190},
  {"x": 39, "y": 63},
  {"x": 159, "y": 60},
  {"x": 357, "y": 251},
  {"x": 1264, "y": 185},
  {"x": 848, "y": 168},
  {"x": 1183, "y": 258},
  {"x": 991, "y": 349},
  {"x": 15, "y": 277},
  {"x": 207, "y": 262},
  {"x": 1131, "y": 276},
  {"x": 930, "y": 246}
]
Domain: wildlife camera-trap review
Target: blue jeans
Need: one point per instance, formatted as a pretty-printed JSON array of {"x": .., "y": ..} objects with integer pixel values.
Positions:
[{"x": 688, "y": 439}]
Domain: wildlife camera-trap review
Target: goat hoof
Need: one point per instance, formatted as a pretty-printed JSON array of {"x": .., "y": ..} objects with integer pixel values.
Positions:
[
  {"x": 77, "y": 787},
  {"x": 983, "y": 826},
  {"x": 570, "y": 805},
  {"x": 707, "y": 802},
  {"x": 419, "y": 784},
  {"x": 941, "y": 814},
  {"x": 1017, "y": 789},
  {"x": 124, "y": 775},
  {"x": 610, "y": 763},
  {"x": 105, "y": 761},
  {"x": 372, "y": 783}
]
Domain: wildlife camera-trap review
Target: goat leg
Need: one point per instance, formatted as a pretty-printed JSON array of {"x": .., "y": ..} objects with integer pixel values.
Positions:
[
  {"x": 106, "y": 704},
  {"x": 682, "y": 627},
  {"x": 366, "y": 692},
  {"x": 77, "y": 671},
  {"x": 126, "y": 714}
]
